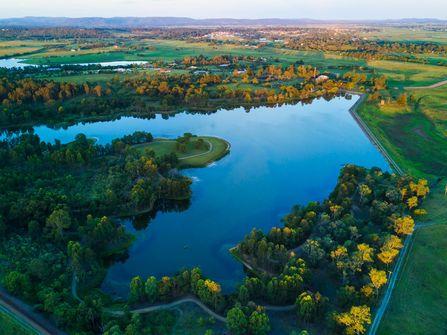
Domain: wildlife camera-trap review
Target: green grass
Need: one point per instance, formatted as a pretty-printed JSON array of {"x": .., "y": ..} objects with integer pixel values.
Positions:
[
  {"x": 410, "y": 137},
  {"x": 192, "y": 157},
  {"x": 171, "y": 50},
  {"x": 10, "y": 326},
  {"x": 402, "y": 74},
  {"x": 410, "y": 35},
  {"x": 418, "y": 304}
]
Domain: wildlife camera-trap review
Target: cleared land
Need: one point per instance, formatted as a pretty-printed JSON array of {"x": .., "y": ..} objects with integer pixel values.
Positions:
[{"x": 213, "y": 149}]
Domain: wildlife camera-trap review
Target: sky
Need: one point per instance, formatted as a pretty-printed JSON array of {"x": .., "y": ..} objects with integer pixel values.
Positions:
[{"x": 316, "y": 9}]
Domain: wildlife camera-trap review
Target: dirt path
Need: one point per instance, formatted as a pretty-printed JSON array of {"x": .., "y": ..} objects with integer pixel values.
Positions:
[
  {"x": 430, "y": 87},
  {"x": 157, "y": 307},
  {"x": 194, "y": 300},
  {"x": 211, "y": 147}
]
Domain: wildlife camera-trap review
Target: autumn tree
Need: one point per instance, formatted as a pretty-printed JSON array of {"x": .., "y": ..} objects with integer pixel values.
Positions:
[
  {"x": 378, "y": 279},
  {"x": 404, "y": 225},
  {"x": 356, "y": 320}
]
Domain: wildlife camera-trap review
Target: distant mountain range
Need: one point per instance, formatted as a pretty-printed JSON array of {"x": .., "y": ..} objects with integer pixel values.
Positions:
[{"x": 153, "y": 22}]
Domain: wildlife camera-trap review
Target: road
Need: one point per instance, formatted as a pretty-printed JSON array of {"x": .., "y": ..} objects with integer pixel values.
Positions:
[{"x": 436, "y": 85}]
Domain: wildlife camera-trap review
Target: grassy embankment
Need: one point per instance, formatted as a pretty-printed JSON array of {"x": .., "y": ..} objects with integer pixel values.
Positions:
[
  {"x": 11, "y": 326},
  {"x": 213, "y": 149}
]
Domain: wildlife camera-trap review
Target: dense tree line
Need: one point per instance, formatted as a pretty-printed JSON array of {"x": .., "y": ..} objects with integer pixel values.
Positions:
[
  {"x": 353, "y": 237},
  {"x": 25, "y": 100},
  {"x": 53, "y": 201}
]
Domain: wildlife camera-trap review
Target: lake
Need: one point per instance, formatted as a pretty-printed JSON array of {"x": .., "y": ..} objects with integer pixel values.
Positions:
[
  {"x": 10, "y": 63},
  {"x": 279, "y": 157}
]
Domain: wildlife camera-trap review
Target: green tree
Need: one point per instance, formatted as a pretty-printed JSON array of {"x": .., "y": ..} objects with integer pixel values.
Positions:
[
  {"x": 259, "y": 323},
  {"x": 135, "y": 326},
  {"x": 136, "y": 290},
  {"x": 237, "y": 322},
  {"x": 16, "y": 283},
  {"x": 243, "y": 295},
  {"x": 58, "y": 221},
  {"x": 151, "y": 289}
]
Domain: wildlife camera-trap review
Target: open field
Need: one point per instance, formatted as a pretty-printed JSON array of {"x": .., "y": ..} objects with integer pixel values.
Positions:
[
  {"x": 402, "y": 74},
  {"x": 410, "y": 137},
  {"x": 410, "y": 35},
  {"x": 214, "y": 149},
  {"x": 171, "y": 50}
]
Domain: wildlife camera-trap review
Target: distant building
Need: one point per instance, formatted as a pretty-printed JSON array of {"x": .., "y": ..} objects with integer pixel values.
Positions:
[{"x": 322, "y": 79}]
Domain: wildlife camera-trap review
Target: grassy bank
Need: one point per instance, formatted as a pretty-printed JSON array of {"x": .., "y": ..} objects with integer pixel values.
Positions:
[{"x": 10, "y": 326}]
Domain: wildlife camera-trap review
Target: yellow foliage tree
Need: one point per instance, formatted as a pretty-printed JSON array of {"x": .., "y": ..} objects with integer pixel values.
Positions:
[
  {"x": 404, "y": 226},
  {"x": 390, "y": 250},
  {"x": 366, "y": 252},
  {"x": 356, "y": 320},
  {"x": 412, "y": 202},
  {"x": 378, "y": 278},
  {"x": 367, "y": 291}
]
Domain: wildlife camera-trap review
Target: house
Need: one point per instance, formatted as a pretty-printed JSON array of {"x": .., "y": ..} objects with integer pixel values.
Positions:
[{"x": 321, "y": 79}]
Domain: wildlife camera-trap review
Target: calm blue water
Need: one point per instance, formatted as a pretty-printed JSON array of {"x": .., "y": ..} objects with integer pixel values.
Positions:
[
  {"x": 10, "y": 63},
  {"x": 279, "y": 157}
]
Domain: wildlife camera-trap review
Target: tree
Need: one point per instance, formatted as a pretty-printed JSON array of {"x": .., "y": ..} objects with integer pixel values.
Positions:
[
  {"x": 243, "y": 295},
  {"x": 412, "y": 202},
  {"x": 404, "y": 226},
  {"x": 58, "y": 221},
  {"x": 259, "y": 323},
  {"x": 135, "y": 325},
  {"x": 151, "y": 289},
  {"x": 16, "y": 282},
  {"x": 356, "y": 320},
  {"x": 314, "y": 252},
  {"x": 308, "y": 305},
  {"x": 366, "y": 252},
  {"x": 389, "y": 250},
  {"x": 136, "y": 290},
  {"x": 237, "y": 322},
  {"x": 74, "y": 250},
  {"x": 402, "y": 100},
  {"x": 378, "y": 278},
  {"x": 364, "y": 191}
]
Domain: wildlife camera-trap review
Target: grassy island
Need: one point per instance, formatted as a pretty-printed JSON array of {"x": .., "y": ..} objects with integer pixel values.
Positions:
[{"x": 192, "y": 151}]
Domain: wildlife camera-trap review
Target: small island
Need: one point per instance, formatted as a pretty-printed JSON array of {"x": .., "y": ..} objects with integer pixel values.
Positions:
[{"x": 192, "y": 151}]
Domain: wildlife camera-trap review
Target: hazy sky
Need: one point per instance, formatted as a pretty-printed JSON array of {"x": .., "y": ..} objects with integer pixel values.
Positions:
[{"x": 319, "y": 9}]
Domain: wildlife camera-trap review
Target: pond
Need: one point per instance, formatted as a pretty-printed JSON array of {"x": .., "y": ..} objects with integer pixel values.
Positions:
[
  {"x": 10, "y": 63},
  {"x": 279, "y": 157}
]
